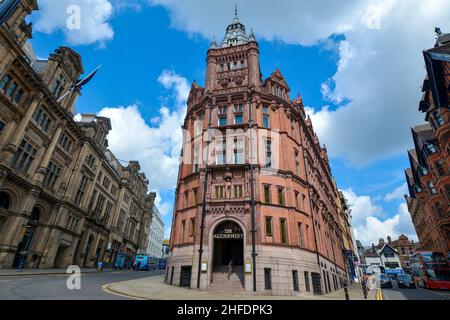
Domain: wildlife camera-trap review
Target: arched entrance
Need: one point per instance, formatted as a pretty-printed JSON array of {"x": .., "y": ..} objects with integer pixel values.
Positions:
[
  {"x": 228, "y": 244},
  {"x": 5, "y": 202},
  {"x": 228, "y": 257},
  {"x": 24, "y": 244}
]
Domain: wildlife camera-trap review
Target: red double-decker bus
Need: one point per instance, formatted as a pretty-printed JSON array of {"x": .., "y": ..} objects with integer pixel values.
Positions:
[{"x": 431, "y": 270}]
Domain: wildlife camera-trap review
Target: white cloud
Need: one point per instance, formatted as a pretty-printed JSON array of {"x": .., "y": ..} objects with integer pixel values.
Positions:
[
  {"x": 94, "y": 20},
  {"x": 369, "y": 223},
  {"x": 156, "y": 146},
  {"x": 380, "y": 67},
  {"x": 165, "y": 208},
  {"x": 397, "y": 194},
  {"x": 167, "y": 232}
]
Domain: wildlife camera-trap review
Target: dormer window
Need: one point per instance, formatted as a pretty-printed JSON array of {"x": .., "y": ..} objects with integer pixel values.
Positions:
[{"x": 431, "y": 148}]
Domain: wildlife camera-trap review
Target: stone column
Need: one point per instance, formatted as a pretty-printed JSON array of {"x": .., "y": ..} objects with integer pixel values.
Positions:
[{"x": 8, "y": 152}]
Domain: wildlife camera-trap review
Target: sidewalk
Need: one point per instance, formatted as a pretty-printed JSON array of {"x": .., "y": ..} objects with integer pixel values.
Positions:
[{"x": 154, "y": 288}]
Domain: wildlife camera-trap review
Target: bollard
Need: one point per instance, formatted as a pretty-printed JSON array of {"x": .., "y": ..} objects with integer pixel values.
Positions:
[{"x": 347, "y": 297}]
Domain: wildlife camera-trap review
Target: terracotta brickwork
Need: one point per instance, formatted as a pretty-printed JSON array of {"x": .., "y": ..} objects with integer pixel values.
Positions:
[
  {"x": 429, "y": 176},
  {"x": 297, "y": 224}
]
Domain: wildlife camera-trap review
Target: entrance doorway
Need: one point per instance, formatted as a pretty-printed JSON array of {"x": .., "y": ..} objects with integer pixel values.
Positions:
[
  {"x": 228, "y": 245},
  {"x": 24, "y": 245},
  {"x": 60, "y": 258}
]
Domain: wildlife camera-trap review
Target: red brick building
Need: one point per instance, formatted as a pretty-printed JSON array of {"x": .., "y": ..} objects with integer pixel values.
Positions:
[
  {"x": 405, "y": 248},
  {"x": 429, "y": 176},
  {"x": 255, "y": 202}
]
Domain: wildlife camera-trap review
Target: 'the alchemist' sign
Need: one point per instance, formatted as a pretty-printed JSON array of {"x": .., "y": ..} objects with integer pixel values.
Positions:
[{"x": 229, "y": 231}]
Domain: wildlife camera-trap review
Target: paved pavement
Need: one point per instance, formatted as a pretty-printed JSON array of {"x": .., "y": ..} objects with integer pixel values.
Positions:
[
  {"x": 53, "y": 286},
  {"x": 414, "y": 294},
  {"x": 154, "y": 288}
]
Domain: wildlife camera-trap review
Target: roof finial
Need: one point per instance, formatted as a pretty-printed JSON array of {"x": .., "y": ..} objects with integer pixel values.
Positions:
[{"x": 235, "y": 9}]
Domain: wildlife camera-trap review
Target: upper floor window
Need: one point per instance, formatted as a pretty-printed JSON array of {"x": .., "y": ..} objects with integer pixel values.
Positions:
[
  {"x": 2, "y": 126},
  {"x": 52, "y": 175},
  {"x": 294, "y": 133},
  {"x": 221, "y": 152},
  {"x": 42, "y": 120},
  {"x": 424, "y": 171},
  {"x": 267, "y": 194},
  {"x": 268, "y": 153},
  {"x": 106, "y": 183},
  {"x": 90, "y": 160},
  {"x": 222, "y": 116},
  {"x": 24, "y": 156},
  {"x": 439, "y": 120},
  {"x": 220, "y": 192},
  {"x": 64, "y": 142},
  {"x": 297, "y": 162},
  {"x": 431, "y": 148},
  {"x": 238, "y": 150},
  {"x": 198, "y": 126},
  {"x": 283, "y": 231},
  {"x": 196, "y": 158},
  {"x": 81, "y": 190},
  {"x": 440, "y": 168},
  {"x": 432, "y": 188},
  {"x": 266, "y": 117},
  {"x": 280, "y": 196},
  {"x": 59, "y": 86},
  {"x": 268, "y": 225},
  {"x": 238, "y": 191},
  {"x": 4, "y": 82}
]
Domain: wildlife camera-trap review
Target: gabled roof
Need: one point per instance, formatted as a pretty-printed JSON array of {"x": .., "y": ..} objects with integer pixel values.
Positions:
[{"x": 386, "y": 247}]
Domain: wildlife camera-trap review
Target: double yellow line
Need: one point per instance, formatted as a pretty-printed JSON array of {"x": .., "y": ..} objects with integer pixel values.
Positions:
[{"x": 379, "y": 295}]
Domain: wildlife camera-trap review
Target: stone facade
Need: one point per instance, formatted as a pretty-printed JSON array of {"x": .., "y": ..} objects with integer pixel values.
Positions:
[
  {"x": 253, "y": 170},
  {"x": 156, "y": 235},
  {"x": 428, "y": 177},
  {"x": 64, "y": 198}
]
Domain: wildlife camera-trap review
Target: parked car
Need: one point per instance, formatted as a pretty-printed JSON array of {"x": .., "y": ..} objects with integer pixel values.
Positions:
[
  {"x": 405, "y": 281},
  {"x": 384, "y": 281}
]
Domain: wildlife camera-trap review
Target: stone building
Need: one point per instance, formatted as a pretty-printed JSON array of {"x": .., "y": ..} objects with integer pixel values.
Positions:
[
  {"x": 64, "y": 198},
  {"x": 156, "y": 235},
  {"x": 255, "y": 205},
  {"x": 350, "y": 252},
  {"x": 405, "y": 249},
  {"x": 428, "y": 178}
]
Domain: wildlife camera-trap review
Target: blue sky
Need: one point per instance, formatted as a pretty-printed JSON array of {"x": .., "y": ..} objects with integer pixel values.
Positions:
[{"x": 357, "y": 66}]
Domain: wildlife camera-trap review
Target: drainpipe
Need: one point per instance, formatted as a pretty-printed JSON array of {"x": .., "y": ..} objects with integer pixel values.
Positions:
[
  {"x": 252, "y": 193},
  {"x": 205, "y": 186}
]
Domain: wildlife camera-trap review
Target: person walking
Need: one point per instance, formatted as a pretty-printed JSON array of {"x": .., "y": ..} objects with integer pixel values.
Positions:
[{"x": 21, "y": 261}]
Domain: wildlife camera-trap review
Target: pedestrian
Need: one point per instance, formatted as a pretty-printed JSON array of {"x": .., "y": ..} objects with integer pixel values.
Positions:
[
  {"x": 138, "y": 266},
  {"x": 21, "y": 261}
]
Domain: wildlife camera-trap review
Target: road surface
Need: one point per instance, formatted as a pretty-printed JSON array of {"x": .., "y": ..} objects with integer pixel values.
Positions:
[{"x": 53, "y": 287}]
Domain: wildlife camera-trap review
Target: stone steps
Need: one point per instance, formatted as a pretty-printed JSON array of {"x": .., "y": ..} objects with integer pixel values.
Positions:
[{"x": 221, "y": 283}]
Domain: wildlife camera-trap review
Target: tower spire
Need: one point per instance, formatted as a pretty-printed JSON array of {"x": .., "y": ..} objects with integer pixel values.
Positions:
[{"x": 235, "y": 10}]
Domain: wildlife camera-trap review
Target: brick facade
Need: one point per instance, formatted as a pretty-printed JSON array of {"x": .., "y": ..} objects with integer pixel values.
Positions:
[
  {"x": 428, "y": 177},
  {"x": 297, "y": 224}
]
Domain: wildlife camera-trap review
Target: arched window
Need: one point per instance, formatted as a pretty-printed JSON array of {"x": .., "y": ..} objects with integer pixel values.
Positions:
[
  {"x": 4, "y": 200},
  {"x": 35, "y": 214}
]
